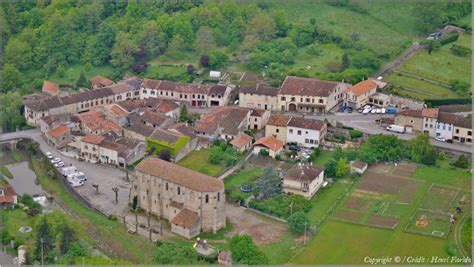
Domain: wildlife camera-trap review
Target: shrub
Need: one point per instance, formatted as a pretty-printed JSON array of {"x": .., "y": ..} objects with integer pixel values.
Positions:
[
  {"x": 264, "y": 153},
  {"x": 355, "y": 134},
  {"x": 282, "y": 206},
  {"x": 298, "y": 222},
  {"x": 461, "y": 51},
  {"x": 462, "y": 162},
  {"x": 449, "y": 39}
]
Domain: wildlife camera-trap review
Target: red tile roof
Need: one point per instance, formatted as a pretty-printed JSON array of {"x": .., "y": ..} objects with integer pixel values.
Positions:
[
  {"x": 186, "y": 218},
  {"x": 180, "y": 175},
  {"x": 58, "y": 131},
  {"x": 93, "y": 139},
  {"x": 241, "y": 140},
  {"x": 303, "y": 173},
  {"x": 8, "y": 195},
  {"x": 307, "y": 87},
  {"x": 306, "y": 123},
  {"x": 270, "y": 142},
  {"x": 50, "y": 88},
  {"x": 430, "y": 112},
  {"x": 363, "y": 87},
  {"x": 117, "y": 110},
  {"x": 102, "y": 81},
  {"x": 279, "y": 120}
]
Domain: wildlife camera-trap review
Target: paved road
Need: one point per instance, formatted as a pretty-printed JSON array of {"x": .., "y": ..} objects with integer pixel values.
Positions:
[
  {"x": 366, "y": 123},
  {"x": 104, "y": 175}
]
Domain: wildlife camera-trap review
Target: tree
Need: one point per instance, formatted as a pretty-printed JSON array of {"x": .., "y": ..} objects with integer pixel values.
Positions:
[
  {"x": 434, "y": 45},
  {"x": 82, "y": 81},
  {"x": 345, "y": 61},
  {"x": 330, "y": 168},
  {"x": 381, "y": 147},
  {"x": 68, "y": 236},
  {"x": 244, "y": 251},
  {"x": 122, "y": 52},
  {"x": 151, "y": 38},
  {"x": 204, "y": 39},
  {"x": 99, "y": 47},
  {"x": 10, "y": 78},
  {"x": 298, "y": 222},
  {"x": 177, "y": 46},
  {"x": 217, "y": 59},
  {"x": 269, "y": 184},
  {"x": 176, "y": 254},
  {"x": 204, "y": 60},
  {"x": 44, "y": 241},
  {"x": 302, "y": 35},
  {"x": 183, "y": 113},
  {"x": 11, "y": 110},
  {"x": 165, "y": 155},
  {"x": 428, "y": 17},
  {"x": 421, "y": 150},
  {"x": 261, "y": 27},
  {"x": 342, "y": 167},
  {"x": 459, "y": 87},
  {"x": 462, "y": 162},
  {"x": 19, "y": 53}
]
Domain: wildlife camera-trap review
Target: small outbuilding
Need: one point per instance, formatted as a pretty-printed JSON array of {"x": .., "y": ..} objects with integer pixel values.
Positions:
[
  {"x": 215, "y": 74},
  {"x": 242, "y": 142},
  {"x": 358, "y": 167},
  {"x": 269, "y": 143}
]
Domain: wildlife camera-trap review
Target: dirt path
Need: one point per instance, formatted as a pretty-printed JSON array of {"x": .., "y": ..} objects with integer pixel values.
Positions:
[
  {"x": 399, "y": 60},
  {"x": 457, "y": 235}
]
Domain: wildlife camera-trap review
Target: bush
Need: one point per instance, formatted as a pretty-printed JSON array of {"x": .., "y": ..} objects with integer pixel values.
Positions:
[
  {"x": 462, "y": 162},
  {"x": 264, "y": 153},
  {"x": 449, "y": 39},
  {"x": 461, "y": 51},
  {"x": 298, "y": 222},
  {"x": 280, "y": 206},
  {"x": 5, "y": 172},
  {"x": 355, "y": 134}
]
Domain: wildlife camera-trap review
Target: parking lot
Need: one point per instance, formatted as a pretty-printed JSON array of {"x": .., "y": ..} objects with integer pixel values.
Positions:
[{"x": 107, "y": 177}]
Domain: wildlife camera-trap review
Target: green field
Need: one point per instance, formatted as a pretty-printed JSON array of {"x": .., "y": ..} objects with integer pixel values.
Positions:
[
  {"x": 384, "y": 34},
  {"x": 198, "y": 161},
  {"x": 345, "y": 243},
  {"x": 234, "y": 182},
  {"x": 323, "y": 158},
  {"x": 423, "y": 89},
  {"x": 441, "y": 66},
  {"x": 71, "y": 75}
]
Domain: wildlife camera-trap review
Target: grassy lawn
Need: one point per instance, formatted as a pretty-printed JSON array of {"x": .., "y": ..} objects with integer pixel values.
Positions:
[
  {"x": 198, "y": 161},
  {"x": 323, "y": 200},
  {"x": 282, "y": 251},
  {"x": 323, "y": 158},
  {"x": 120, "y": 244},
  {"x": 345, "y": 243},
  {"x": 384, "y": 34},
  {"x": 233, "y": 183},
  {"x": 441, "y": 65},
  {"x": 328, "y": 61},
  {"x": 12, "y": 220},
  {"x": 426, "y": 89},
  {"x": 6, "y": 172},
  {"x": 72, "y": 73},
  {"x": 466, "y": 234}
]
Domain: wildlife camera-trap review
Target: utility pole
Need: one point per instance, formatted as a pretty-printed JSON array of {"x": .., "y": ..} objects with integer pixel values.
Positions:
[{"x": 304, "y": 240}]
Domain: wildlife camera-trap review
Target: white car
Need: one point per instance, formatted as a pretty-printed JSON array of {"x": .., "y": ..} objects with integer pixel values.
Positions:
[
  {"x": 441, "y": 139},
  {"x": 76, "y": 183},
  {"x": 378, "y": 110},
  {"x": 384, "y": 111},
  {"x": 49, "y": 155},
  {"x": 366, "y": 111},
  {"x": 55, "y": 160},
  {"x": 59, "y": 164},
  {"x": 373, "y": 111}
]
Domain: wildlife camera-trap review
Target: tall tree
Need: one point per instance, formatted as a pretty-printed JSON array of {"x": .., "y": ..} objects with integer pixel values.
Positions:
[
  {"x": 82, "y": 81},
  {"x": 269, "y": 184},
  {"x": 44, "y": 241},
  {"x": 151, "y": 38},
  {"x": 10, "y": 105},
  {"x": 99, "y": 46},
  {"x": 244, "y": 251},
  {"x": 68, "y": 236},
  {"x": 262, "y": 27},
  {"x": 342, "y": 167},
  {"x": 18, "y": 53},
  {"x": 204, "y": 39},
  {"x": 183, "y": 113},
  {"x": 10, "y": 78},
  {"x": 345, "y": 61},
  {"x": 122, "y": 53},
  {"x": 298, "y": 222},
  {"x": 421, "y": 150}
]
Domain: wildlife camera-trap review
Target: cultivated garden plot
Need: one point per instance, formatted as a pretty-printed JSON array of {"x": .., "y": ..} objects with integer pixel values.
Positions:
[
  {"x": 439, "y": 198},
  {"x": 382, "y": 196},
  {"x": 430, "y": 223}
]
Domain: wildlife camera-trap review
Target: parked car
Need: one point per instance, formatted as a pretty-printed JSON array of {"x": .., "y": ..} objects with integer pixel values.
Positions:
[
  {"x": 349, "y": 109},
  {"x": 59, "y": 164},
  {"x": 55, "y": 160},
  {"x": 366, "y": 111},
  {"x": 76, "y": 183},
  {"x": 373, "y": 111},
  {"x": 383, "y": 110},
  {"x": 294, "y": 147},
  {"x": 441, "y": 139},
  {"x": 391, "y": 111},
  {"x": 49, "y": 155}
]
